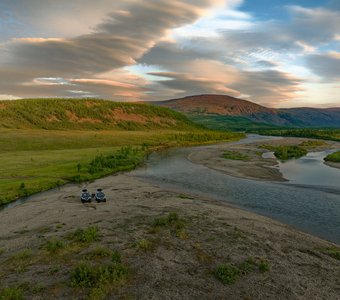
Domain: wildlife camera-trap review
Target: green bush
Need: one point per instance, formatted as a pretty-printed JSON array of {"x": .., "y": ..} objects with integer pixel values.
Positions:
[
  {"x": 228, "y": 274},
  {"x": 264, "y": 266}
]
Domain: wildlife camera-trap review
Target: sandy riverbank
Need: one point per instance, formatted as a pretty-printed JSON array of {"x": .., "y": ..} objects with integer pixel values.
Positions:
[
  {"x": 256, "y": 167},
  {"x": 177, "y": 266}
]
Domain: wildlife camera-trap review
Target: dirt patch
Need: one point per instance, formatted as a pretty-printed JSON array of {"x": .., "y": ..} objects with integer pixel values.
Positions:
[
  {"x": 75, "y": 119},
  {"x": 119, "y": 114},
  {"x": 3, "y": 106},
  {"x": 52, "y": 119}
]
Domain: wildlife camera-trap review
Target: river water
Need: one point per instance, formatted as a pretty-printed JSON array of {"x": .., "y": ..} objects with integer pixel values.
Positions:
[{"x": 306, "y": 202}]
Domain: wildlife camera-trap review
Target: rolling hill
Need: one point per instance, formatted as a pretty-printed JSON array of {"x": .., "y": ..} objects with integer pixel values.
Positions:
[
  {"x": 216, "y": 110},
  {"x": 88, "y": 114}
]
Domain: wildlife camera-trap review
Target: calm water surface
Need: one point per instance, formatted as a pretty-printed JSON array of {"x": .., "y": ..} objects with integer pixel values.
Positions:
[{"x": 310, "y": 202}]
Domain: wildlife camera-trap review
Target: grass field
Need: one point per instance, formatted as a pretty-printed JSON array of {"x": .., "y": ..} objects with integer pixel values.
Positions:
[{"x": 36, "y": 160}]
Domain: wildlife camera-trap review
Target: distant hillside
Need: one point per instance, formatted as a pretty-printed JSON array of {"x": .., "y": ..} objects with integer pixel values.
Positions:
[
  {"x": 215, "y": 104},
  {"x": 88, "y": 114},
  {"x": 208, "y": 109}
]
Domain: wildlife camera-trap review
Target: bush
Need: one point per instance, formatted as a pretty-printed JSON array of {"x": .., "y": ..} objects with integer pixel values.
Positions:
[
  {"x": 228, "y": 274},
  {"x": 263, "y": 266}
]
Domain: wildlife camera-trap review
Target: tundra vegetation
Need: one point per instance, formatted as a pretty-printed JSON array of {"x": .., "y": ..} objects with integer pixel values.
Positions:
[
  {"x": 334, "y": 157},
  {"x": 46, "y": 143},
  {"x": 332, "y": 134}
]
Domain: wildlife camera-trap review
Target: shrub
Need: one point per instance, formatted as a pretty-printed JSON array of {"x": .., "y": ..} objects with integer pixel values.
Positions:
[
  {"x": 89, "y": 276},
  {"x": 263, "y": 266},
  {"x": 228, "y": 274},
  {"x": 83, "y": 276}
]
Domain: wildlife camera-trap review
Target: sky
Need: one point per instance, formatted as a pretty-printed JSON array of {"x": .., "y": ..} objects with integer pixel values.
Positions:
[{"x": 276, "y": 53}]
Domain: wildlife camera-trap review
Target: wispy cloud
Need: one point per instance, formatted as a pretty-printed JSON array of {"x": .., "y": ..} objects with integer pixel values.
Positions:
[{"x": 157, "y": 49}]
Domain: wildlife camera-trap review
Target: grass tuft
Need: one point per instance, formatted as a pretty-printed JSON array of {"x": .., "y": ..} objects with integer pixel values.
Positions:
[
  {"x": 54, "y": 246},
  {"x": 145, "y": 245},
  {"x": 11, "y": 293},
  {"x": 88, "y": 235},
  {"x": 235, "y": 156}
]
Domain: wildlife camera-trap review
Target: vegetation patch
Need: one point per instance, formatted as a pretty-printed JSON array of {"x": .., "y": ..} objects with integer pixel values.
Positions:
[
  {"x": 100, "y": 279},
  {"x": 332, "y": 252},
  {"x": 86, "y": 236},
  {"x": 35, "y": 160},
  {"x": 145, "y": 245},
  {"x": 11, "y": 293},
  {"x": 97, "y": 253},
  {"x": 286, "y": 152},
  {"x": 234, "y": 155},
  {"x": 323, "y": 134},
  {"x": 229, "y": 274},
  {"x": 20, "y": 261},
  {"x": 174, "y": 223},
  {"x": 54, "y": 246},
  {"x": 312, "y": 144},
  {"x": 334, "y": 157}
]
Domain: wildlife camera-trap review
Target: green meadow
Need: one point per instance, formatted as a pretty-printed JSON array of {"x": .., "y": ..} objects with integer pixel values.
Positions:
[{"x": 34, "y": 159}]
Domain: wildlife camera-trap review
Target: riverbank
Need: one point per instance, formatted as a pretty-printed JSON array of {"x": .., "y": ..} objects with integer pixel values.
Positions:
[
  {"x": 171, "y": 243},
  {"x": 254, "y": 165}
]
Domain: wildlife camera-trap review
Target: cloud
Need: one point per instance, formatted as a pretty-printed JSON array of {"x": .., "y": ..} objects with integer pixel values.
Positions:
[
  {"x": 327, "y": 65},
  {"x": 128, "y": 50},
  {"x": 116, "y": 42}
]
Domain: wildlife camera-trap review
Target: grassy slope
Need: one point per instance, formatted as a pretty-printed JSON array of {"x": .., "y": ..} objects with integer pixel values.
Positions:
[
  {"x": 87, "y": 114},
  {"x": 33, "y": 159}
]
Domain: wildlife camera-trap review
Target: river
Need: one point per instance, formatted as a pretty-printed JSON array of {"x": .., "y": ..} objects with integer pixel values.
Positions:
[{"x": 313, "y": 207}]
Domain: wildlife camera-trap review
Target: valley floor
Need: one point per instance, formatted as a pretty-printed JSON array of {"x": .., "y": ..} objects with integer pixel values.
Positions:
[{"x": 173, "y": 245}]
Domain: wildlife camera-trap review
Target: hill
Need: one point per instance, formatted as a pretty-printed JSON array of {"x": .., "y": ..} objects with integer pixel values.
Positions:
[
  {"x": 88, "y": 114},
  {"x": 217, "y": 110}
]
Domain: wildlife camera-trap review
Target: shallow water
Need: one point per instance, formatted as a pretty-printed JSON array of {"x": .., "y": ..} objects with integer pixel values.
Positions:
[
  {"x": 311, "y": 170},
  {"x": 312, "y": 208}
]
